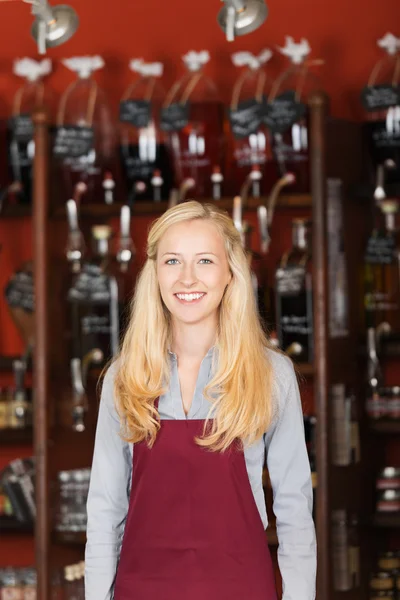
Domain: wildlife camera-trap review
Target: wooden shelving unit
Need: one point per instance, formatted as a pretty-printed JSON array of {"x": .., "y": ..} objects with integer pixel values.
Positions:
[
  {"x": 336, "y": 151},
  {"x": 384, "y": 426},
  {"x": 9, "y": 526},
  {"x": 386, "y": 520},
  {"x": 19, "y": 437}
]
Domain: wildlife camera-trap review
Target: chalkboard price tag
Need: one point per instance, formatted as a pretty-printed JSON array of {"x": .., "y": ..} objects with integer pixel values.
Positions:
[
  {"x": 380, "y": 250},
  {"x": 283, "y": 112},
  {"x": 246, "y": 118},
  {"x": 21, "y": 127},
  {"x": 19, "y": 291},
  {"x": 174, "y": 117},
  {"x": 72, "y": 141},
  {"x": 135, "y": 112},
  {"x": 380, "y": 97}
]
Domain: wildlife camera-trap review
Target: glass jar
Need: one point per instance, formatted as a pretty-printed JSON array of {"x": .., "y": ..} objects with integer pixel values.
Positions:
[
  {"x": 287, "y": 115},
  {"x": 250, "y": 153},
  {"x": 388, "y": 501},
  {"x": 381, "y": 581},
  {"x": 388, "y": 479},
  {"x": 143, "y": 149},
  {"x": 381, "y": 103},
  {"x": 85, "y": 145},
  {"x": 193, "y": 116},
  {"x": 21, "y": 146}
]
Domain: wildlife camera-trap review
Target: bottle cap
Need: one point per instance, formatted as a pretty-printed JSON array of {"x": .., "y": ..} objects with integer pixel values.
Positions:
[
  {"x": 84, "y": 65},
  {"x": 30, "y": 69},
  {"x": 296, "y": 52}
]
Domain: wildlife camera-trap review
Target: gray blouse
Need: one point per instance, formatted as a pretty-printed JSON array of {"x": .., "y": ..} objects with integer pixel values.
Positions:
[{"x": 283, "y": 447}]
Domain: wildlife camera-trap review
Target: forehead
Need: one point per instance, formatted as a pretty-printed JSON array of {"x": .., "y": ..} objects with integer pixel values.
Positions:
[{"x": 190, "y": 235}]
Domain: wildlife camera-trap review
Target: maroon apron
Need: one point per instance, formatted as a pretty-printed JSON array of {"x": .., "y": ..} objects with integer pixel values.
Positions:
[{"x": 193, "y": 530}]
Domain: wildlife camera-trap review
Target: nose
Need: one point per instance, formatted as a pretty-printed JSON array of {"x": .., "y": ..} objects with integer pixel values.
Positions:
[{"x": 188, "y": 274}]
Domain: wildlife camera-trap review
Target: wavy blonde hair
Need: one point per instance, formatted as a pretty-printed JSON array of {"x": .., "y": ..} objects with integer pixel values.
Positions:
[{"x": 241, "y": 388}]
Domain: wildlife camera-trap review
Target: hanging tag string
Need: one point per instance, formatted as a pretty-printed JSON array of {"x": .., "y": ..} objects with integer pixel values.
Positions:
[
  {"x": 300, "y": 85},
  {"x": 375, "y": 71},
  {"x": 19, "y": 95},
  {"x": 151, "y": 82},
  {"x": 90, "y": 107}
]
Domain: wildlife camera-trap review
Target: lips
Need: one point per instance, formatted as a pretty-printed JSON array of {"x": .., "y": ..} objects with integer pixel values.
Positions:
[{"x": 187, "y": 302}]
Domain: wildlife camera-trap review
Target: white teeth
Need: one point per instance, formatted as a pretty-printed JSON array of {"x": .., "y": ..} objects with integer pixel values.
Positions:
[{"x": 189, "y": 297}]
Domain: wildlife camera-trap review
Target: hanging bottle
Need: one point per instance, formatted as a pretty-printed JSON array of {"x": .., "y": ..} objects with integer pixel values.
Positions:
[
  {"x": 193, "y": 116},
  {"x": 250, "y": 141},
  {"x": 85, "y": 146},
  {"x": 143, "y": 149},
  {"x": 21, "y": 146},
  {"x": 95, "y": 301},
  {"x": 381, "y": 101},
  {"x": 286, "y": 114},
  {"x": 381, "y": 272},
  {"x": 293, "y": 285}
]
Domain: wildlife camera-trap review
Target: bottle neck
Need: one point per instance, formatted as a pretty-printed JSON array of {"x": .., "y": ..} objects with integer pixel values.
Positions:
[
  {"x": 100, "y": 251},
  {"x": 390, "y": 222},
  {"x": 299, "y": 236}
]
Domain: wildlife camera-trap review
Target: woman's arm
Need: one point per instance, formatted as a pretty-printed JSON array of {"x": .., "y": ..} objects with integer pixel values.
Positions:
[
  {"x": 108, "y": 499},
  {"x": 289, "y": 471}
]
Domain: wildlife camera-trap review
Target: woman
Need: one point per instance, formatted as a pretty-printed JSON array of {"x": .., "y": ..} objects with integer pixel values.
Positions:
[{"x": 188, "y": 411}]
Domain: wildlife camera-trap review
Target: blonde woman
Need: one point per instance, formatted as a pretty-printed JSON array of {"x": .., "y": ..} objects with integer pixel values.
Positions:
[{"x": 194, "y": 402}]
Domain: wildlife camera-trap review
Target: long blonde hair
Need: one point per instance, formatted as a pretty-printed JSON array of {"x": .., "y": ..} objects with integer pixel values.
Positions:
[{"x": 241, "y": 388}]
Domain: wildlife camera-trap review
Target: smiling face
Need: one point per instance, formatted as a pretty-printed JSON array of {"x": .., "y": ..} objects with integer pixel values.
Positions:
[{"x": 192, "y": 270}]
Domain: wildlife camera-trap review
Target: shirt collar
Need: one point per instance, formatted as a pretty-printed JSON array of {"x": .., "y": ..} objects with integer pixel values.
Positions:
[{"x": 209, "y": 353}]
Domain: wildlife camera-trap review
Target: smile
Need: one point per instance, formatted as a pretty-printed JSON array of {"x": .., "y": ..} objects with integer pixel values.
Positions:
[{"x": 189, "y": 298}]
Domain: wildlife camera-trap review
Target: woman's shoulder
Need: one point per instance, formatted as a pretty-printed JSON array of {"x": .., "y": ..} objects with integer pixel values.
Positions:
[{"x": 283, "y": 374}]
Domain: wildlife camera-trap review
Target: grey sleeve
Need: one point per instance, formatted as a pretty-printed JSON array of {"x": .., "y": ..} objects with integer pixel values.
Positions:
[
  {"x": 290, "y": 475},
  {"x": 108, "y": 499}
]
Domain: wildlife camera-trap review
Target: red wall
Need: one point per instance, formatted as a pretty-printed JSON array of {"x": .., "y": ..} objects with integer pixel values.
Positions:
[{"x": 343, "y": 33}]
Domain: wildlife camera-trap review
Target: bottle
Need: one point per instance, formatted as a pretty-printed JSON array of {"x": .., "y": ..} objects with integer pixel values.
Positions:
[
  {"x": 381, "y": 101},
  {"x": 381, "y": 272},
  {"x": 249, "y": 139},
  {"x": 286, "y": 114},
  {"x": 143, "y": 150},
  {"x": 340, "y": 551},
  {"x": 293, "y": 290},
  {"x": 193, "y": 116},
  {"x": 21, "y": 146},
  {"x": 85, "y": 145},
  {"x": 94, "y": 298}
]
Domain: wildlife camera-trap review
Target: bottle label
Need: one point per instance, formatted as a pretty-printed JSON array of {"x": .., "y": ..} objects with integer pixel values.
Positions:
[
  {"x": 21, "y": 128},
  {"x": 72, "y": 141},
  {"x": 175, "y": 116},
  {"x": 19, "y": 291},
  {"x": 135, "y": 112},
  {"x": 283, "y": 112},
  {"x": 380, "y": 250},
  {"x": 246, "y": 118},
  {"x": 379, "y": 97}
]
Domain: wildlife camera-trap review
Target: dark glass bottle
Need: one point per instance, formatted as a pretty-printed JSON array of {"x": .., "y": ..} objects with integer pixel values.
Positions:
[
  {"x": 293, "y": 290},
  {"x": 94, "y": 299},
  {"x": 381, "y": 272}
]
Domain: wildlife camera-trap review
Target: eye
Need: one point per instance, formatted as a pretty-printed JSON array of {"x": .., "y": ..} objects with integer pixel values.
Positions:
[
  {"x": 169, "y": 261},
  {"x": 210, "y": 261}
]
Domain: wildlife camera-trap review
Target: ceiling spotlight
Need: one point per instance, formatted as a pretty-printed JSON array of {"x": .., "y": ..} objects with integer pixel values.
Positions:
[
  {"x": 53, "y": 25},
  {"x": 239, "y": 17}
]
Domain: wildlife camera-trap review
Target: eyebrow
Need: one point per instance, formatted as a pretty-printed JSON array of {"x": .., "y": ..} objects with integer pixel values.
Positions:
[{"x": 197, "y": 254}]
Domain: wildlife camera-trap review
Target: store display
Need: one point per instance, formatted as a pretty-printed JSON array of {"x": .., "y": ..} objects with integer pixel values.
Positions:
[
  {"x": 250, "y": 151},
  {"x": 21, "y": 147},
  {"x": 381, "y": 271},
  {"x": 73, "y": 489},
  {"x": 85, "y": 144},
  {"x": 293, "y": 291},
  {"x": 286, "y": 114},
  {"x": 381, "y": 101},
  {"x": 95, "y": 298},
  {"x": 345, "y": 551},
  {"x": 143, "y": 149},
  {"x": 193, "y": 117}
]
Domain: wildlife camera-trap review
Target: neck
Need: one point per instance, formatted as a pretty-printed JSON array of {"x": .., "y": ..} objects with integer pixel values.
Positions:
[{"x": 191, "y": 342}]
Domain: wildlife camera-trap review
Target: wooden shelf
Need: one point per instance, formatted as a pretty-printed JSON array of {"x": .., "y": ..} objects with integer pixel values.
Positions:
[
  {"x": 9, "y": 526},
  {"x": 305, "y": 369},
  {"x": 70, "y": 537},
  {"x": 149, "y": 208},
  {"x": 391, "y": 427},
  {"x": 16, "y": 211},
  {"x": 10, "y": 437},
  {"x": 386, "y": 520}
]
